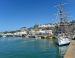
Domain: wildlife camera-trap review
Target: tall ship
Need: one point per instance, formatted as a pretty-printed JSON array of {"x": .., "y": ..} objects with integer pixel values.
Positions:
[{"x": 62, "y": 27}]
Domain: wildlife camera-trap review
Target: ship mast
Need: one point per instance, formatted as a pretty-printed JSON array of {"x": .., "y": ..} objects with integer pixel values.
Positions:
[
  {"x": 61, "y": 14},
  {"x": 63, "y": 24}
]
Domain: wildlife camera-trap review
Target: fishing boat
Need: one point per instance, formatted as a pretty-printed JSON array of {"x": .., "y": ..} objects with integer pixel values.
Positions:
[
  {"x": 63, "y": 40},
  {"x": 63, "y": 27}
]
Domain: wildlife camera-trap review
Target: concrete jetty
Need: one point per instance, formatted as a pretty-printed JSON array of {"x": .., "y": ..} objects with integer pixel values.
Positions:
[{"x": 70, "y": 53}]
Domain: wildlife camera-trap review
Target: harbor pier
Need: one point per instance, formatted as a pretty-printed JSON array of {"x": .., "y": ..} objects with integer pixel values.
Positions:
[{"x": 70, "y": 53}]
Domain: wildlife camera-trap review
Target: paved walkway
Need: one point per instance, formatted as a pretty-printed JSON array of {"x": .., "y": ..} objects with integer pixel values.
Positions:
[{"x": 71, "y": 50}]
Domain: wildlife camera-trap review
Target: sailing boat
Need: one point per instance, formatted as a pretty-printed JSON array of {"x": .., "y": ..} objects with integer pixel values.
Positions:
[{"x": 62, "y": 39}]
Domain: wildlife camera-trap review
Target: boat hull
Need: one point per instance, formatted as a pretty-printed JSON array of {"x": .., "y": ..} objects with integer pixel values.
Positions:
[
  {"x": 61, "y": 41},
  {"x": 63, "y": 44}
]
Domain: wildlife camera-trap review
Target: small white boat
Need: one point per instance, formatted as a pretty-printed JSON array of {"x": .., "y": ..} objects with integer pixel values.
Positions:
[
  {"x": 63, "y": 40},
  {"x": 4, "y": 36}
]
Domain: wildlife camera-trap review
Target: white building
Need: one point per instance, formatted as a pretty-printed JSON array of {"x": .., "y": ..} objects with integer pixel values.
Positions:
[
  {"x": 46, "y": 25},
  {"x": 41, "y": 32},
  {"x": 20, "y": 33}
]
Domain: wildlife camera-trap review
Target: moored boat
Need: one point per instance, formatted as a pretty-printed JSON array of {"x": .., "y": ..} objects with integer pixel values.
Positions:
[{"x": 62, "y": 40}]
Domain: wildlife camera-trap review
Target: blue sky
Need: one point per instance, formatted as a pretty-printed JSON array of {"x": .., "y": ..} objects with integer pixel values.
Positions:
[{"x": 19, "y": 13}]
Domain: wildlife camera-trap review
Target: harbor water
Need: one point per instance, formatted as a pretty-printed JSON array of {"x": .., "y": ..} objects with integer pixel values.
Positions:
[{"x": 14, "y": 47}]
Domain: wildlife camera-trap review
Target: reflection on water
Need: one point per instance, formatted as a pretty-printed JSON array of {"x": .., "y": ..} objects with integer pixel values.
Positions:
[
  {"x": 62, "y": 50},
  {"x": 29, "y": 48}
]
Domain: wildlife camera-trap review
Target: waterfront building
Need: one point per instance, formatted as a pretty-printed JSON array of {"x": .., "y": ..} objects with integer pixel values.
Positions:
[
  {"x": 41, "y": 32},
  {"x": 7, "y": 34},
  {"x": 21, "y": 32}
]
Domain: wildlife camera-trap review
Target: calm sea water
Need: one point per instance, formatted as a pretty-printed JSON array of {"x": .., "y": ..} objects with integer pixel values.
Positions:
[{"x": 29, "y": 48}]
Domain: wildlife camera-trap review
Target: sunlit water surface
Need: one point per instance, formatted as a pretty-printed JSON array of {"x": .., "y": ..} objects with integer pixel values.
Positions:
[{"x": 30, "y": 48}]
